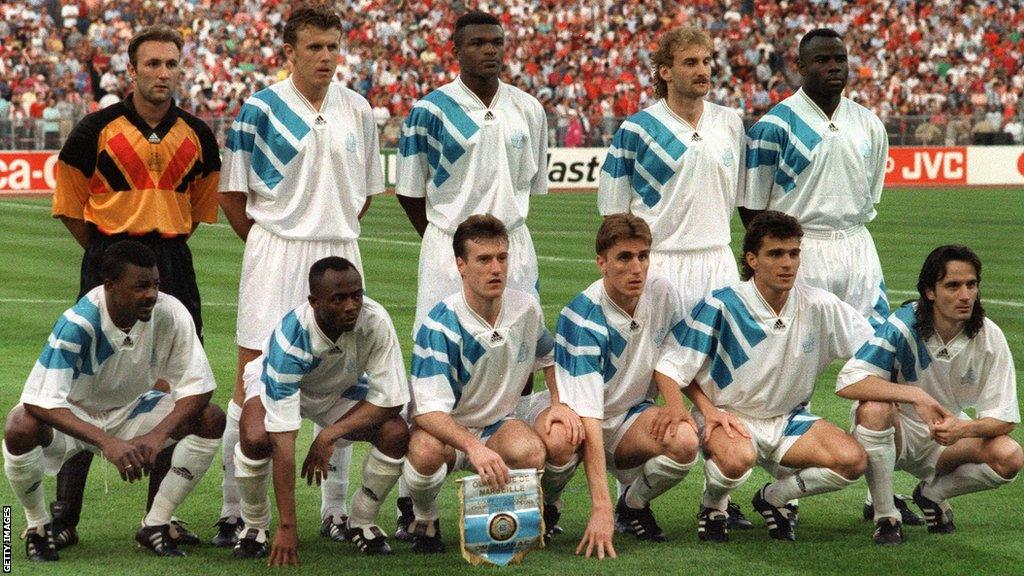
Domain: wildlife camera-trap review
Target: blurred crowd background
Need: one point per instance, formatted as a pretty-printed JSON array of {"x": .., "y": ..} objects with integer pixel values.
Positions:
[{"x": 942, "y": 72}]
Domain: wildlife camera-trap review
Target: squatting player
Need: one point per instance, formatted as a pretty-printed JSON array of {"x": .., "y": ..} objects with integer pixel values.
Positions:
[
  {"x": 473, "y": 352},
  {"x": 336, "y": 361},
  {"x": 301, "y": 162},
  {"x": 92, "y": 389},
  {"x": 948, "y": 357},
  {"x": 750, "y": 354},
  {"x": 608, "y": 341}
]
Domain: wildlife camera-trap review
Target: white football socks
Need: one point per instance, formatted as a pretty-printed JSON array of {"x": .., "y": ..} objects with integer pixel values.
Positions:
[
  {"x": 228, "y": 485},
  {"x": 881, "y": 448},
  {"x": 424, "y": 490},
  {"x": 334, "y": 490},
  {"x": 967, "y": 478},
  {"x": 191, "y": 458},
  {"x": 806, "y": 482},
  {"x": 718, "y": 486},
  {"x": 555, "y": 478},
  {"x": 253, "y": 483},
  {"x": 25, "y": 474},
  {"x": 659, "y": 474},
  {"x": 380, "y": 472}
]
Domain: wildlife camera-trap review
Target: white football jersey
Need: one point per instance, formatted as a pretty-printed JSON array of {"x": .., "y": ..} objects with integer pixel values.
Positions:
[
  {"x": 466, "y": 158},
  {"x": 604, "y": 358},
  {"x": 473, "y": 371},
  {"x": 683, "y": 181},
  {"x": 748, "y": 359},
  {"x": 962, "y": 373},
  {"x": 302, "y": 372},
  {"x": 307, "y": 174},
  {"x": 826, "y": 172},
  {"x": 91, "y": 364}
]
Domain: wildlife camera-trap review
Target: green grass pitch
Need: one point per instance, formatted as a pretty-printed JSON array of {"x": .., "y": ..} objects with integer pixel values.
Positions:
[{"x": 39, "y": 278}]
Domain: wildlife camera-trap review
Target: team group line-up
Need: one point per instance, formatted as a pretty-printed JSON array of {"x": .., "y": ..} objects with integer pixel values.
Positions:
[{"x": 672, "y": 315}]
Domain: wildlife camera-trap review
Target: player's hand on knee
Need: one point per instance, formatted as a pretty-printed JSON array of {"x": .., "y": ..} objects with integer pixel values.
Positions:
[
  {"x": 730, "y": 424},
  {"x": 560, "y": 413},
  {"x": 597, "y": 539},
  {"x": 929, "y": 409},
  {"x": 667, "y": 421},
  {"x": 149, "y": 446},
  {"x": 126, "y": 457},
  {"x": 284, "y": 550},
  {"x": 948, "y": 431},
  {"x": 489, "y": 465},
  {"x": 314, "y": 468}
]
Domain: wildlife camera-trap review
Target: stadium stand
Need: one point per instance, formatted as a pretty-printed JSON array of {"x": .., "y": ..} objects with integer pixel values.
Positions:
[{"x": 944, "y": 72}]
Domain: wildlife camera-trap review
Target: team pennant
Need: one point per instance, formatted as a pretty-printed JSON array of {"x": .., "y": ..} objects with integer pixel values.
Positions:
[{"x": 500, "y": 527}]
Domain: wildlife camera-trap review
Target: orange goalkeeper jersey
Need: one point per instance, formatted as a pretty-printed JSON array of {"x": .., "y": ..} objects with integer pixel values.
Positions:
[{"x": 122, "y": 175}]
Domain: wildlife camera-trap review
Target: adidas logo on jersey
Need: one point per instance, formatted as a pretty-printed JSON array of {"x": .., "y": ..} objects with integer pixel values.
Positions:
[
  {"x": 320, "y": 121},
  {"x": 779, "y": 324},
  {"x": 334, "y": 351},
  {"x": 832, "y": 127},
  {"x": 153, "y": 138},
  {"x": 496, "y": 337},
  {"x": 944, "y": 354},
  {"x": 127, "y": 341},
  {"x": 634, "y": 326},
  {"x": 489, "y": 115},
  {"x": 696, "y": 137}
]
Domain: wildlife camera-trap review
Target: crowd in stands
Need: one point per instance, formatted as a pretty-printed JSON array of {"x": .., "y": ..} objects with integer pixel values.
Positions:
[{"x": 939, "y": 70}]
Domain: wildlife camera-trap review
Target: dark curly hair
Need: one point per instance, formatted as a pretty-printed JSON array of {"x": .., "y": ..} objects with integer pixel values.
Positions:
[{"x": 932, "y": 272}]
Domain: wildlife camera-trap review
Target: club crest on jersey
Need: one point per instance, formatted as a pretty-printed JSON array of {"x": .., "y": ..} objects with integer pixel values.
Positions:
[
  {"x": 809, "y": 344},
  {"x": 727, "y": 158},
  {"x": 865, "y": 148},
  {"x": 518, "y": 139},
  {"x": 969, "y": 378},
  {"x": 350, "y": 142},
  {"x": 522, "y": 355}
]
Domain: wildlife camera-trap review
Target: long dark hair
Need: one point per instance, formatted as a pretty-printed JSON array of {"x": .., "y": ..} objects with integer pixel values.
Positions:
[{"x": 933, "y": 271}]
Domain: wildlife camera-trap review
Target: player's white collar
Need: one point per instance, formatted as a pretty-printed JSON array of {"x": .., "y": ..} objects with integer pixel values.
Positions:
[
  {"x": 681, "y": 120},
  {"x": 312, "y": 110},
  {"x": 772, "y": 319},
  {"x": 120, "y": 339},
  {"x": 946, "y": 351},
  {"x": 321, "y": 343},
  {"x": 814, "y": 106},
  {"x": 637, "y": 320},
  {"x": 498, "y": 319},
  {"x": 494, "y": 101}
]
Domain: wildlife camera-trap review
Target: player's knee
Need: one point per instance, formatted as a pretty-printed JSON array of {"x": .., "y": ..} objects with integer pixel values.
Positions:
[
  {"x": 559, "y": 446},
  {"x": 426, "y": 453},
  {"x": 736, "y": 462},
  {"x": 876, "y": 415},
  {"x": 682, "y": 447},
  {"x": 22, "y": 431},
  {"x": 527, "y": 451},
  {"x": 394, "y": 437},
  {"x": 254, "y": 441},
  {"x": 211, "y": 422},
  {"x": 1006, "y": 457},
  {"x": 851, "y": 461}
]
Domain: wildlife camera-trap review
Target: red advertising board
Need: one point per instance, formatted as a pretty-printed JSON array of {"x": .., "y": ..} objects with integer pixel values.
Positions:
[
  {"x": 919, "y": 165},
  {"x": 27, "y": 172}
]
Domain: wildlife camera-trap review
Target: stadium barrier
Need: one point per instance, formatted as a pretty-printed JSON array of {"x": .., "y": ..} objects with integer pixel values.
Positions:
[{"x": 577, "y": 169}]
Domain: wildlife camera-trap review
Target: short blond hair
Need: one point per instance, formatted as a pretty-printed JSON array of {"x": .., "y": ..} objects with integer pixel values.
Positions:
[{"x": 668, "y": 45}]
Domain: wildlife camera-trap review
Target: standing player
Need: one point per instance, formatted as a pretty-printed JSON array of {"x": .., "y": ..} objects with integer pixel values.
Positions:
[
  {"x": 679, "y": 165},
  {"x": 473, "y": 352},
  {"x": 751, "y": 353},
  {"x": 301, "y": 163},
  {"x": 145, "y": 169},
  {"x": 821, "y": 158},
  {"x": 609, "y": 340},
  {"x": 92, "y": 389},
  {"x": 474, "y": 146},
  {"x": 948, "y": 356},
  {"x": 313, "y": 366}
]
